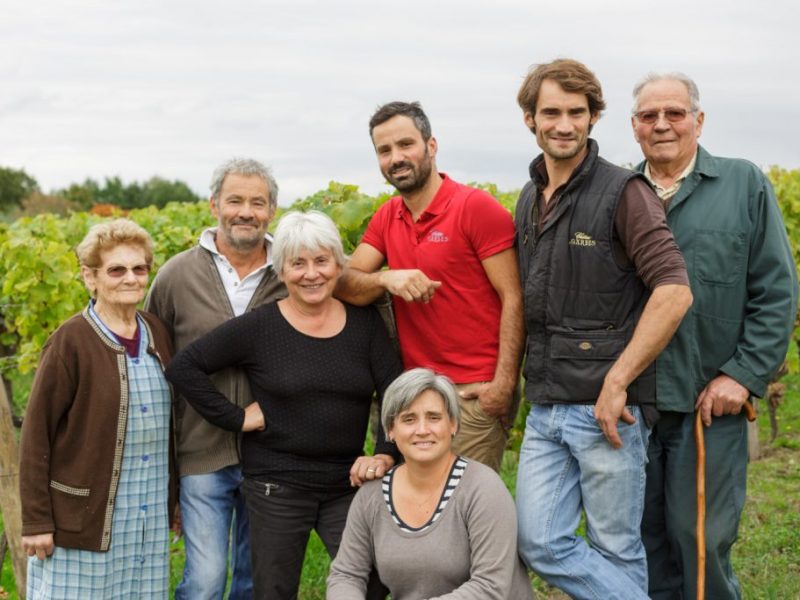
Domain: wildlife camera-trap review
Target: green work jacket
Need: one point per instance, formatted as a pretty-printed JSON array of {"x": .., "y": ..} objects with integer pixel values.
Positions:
[{"x": 727, "y": 223}]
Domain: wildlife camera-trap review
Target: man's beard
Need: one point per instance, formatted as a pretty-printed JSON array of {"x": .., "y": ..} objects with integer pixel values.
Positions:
[
  {"x": 416, "y": 180},
  {"x": 242, "y": 243}
]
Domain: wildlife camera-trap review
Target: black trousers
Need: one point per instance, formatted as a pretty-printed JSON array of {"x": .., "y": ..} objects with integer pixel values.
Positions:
[{"x": 281, "y": 520}]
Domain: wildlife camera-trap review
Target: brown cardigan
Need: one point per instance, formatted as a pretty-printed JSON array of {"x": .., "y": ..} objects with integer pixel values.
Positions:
[{"x": 74, "y": 432}]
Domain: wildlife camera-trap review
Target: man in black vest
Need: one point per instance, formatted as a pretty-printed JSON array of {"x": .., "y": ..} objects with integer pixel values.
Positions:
[{"x": 605, "y": 287}]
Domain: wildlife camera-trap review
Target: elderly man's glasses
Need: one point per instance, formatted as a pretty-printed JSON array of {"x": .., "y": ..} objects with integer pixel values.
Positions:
[
  {"x": 673, "y": 115},
  {"x": 118, "y": 271}
]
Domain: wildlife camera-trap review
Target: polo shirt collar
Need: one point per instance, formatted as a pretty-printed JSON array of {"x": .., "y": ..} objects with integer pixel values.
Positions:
[{"x": 439, "y": 203}]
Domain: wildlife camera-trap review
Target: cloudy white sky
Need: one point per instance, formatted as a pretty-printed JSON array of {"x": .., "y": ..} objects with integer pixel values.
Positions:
[{"x": 172, "y": 88}]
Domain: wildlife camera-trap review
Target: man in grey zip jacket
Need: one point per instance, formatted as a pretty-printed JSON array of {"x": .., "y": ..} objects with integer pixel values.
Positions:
[{"x": 228, "y": 273}]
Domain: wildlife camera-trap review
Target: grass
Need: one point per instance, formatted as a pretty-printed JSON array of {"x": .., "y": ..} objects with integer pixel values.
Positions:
[{"x": 766, "y": 557}]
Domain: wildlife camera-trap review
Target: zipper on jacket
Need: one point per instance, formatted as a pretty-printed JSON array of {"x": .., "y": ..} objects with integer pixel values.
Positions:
[{"x": 534, "y": 223}]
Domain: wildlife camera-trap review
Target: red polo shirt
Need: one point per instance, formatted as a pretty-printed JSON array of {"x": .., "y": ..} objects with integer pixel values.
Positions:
[{"x": 457, "y": 332}]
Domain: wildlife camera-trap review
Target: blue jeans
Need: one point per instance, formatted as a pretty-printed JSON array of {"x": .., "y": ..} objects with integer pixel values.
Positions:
[
  {"x": 566, "y": 464},
  {"x": 213, "y": 514}
]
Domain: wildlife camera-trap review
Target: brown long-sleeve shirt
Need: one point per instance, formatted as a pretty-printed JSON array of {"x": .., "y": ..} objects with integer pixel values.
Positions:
[{"x": 642, "y": 237}]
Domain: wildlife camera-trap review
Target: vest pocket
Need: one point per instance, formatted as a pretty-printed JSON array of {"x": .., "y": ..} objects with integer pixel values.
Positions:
[
  {"x": 585, "y": 345},
  {"x": 70, "y": 505},
  {"x": 578, "y": 363}
]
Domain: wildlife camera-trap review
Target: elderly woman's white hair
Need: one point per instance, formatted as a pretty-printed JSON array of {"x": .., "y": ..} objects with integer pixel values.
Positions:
[
  {"x": 402, "y": 392},
  {"x": 110, "y": 234},
  {"x": 298, "y": 231}
]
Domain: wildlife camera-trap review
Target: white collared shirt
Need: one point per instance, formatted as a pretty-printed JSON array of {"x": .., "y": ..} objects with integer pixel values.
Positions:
[{"x": 240, "y": 291}]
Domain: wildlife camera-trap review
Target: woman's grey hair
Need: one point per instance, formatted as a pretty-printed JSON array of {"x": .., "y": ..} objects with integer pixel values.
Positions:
[
  {"x": 298, "y": 231},
  {"x": 244, "y": 166},
  {"x": 110, "y": 234},
  {"x": 691, "y": 87},
  {"x": 407, "y": 388}
]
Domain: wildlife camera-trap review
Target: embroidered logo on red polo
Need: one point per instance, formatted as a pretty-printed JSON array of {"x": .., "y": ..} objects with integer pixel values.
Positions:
[{"x": 437, "y": 237}]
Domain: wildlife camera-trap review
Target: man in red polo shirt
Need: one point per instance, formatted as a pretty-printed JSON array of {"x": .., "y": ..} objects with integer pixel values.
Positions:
[{"x": 453, "y": 274}]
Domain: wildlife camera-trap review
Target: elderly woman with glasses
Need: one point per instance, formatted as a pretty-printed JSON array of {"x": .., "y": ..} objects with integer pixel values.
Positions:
[
  {"x": 438, "y": 525},
  {"x": 94, "y": 469},
  {"x": 313, "y": 364}
]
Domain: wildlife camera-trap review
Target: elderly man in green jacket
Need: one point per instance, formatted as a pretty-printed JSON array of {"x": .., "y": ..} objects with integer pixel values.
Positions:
[{"x": 726, "y": 221}]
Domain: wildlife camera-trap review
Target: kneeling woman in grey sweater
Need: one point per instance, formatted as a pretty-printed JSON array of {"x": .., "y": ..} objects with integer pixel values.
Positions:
[{"x": 437, "y": 525}]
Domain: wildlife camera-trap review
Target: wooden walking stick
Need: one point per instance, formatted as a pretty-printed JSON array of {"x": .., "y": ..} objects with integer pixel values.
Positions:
[{"x": 700, "y": 472}]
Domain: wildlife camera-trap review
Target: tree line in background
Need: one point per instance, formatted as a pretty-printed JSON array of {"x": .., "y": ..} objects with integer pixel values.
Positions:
[
  {"x": 40, "y": 284},
  {"x": 21, "y": 195}
]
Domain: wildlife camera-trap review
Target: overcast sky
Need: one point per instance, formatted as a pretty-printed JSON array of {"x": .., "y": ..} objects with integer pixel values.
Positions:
[{"x": 172, "y": 88}]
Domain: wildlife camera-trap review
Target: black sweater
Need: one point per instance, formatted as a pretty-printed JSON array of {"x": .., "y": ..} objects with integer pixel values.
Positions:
[{"x": 315, "y": 393}]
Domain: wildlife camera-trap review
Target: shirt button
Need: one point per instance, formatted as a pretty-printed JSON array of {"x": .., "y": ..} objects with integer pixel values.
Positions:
[
  {"x": 235, "y": 283},
  {"x": 136, "y": 361},
  {"x": 230, "y": 270},
  {"x": 145, "y": 458},
  {"x": 144, "y": 409},
  {"x": 144, "y": 507}
]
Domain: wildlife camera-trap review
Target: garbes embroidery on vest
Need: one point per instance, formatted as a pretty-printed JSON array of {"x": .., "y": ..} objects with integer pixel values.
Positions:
[{"x": 582, "y": 239}]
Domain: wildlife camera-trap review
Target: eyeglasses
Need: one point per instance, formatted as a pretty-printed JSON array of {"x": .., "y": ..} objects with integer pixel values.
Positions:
[
  {"x": 118, "y": 271},
  {"x": 673, "y": 115}
]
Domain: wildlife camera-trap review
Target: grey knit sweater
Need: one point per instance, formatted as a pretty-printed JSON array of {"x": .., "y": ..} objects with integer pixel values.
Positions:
[{"x": 469, "y": 553}]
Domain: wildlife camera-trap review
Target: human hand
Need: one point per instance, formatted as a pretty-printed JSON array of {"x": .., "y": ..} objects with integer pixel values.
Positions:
[
  {"x": 723, "y": 395},
  {"x": 40, "y": 545},
  {"x": 367, "y": 468},
  {"x": 253, "y": 418},
  {"x": 494, "y": 399},
  {"x": 609, "y": 409},
  {"x": 412, "y": 285}
]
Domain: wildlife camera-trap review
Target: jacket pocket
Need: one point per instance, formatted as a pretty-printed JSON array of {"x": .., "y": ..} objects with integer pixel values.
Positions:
[
  {"x": 70, "y": 505},
  {"x": 719, "y": 256},
  {"x": 578, "y": 363}
]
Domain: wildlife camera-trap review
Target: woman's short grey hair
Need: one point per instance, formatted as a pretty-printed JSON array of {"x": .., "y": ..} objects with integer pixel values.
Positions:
[
  {"x": 110, "y": 234},
  {"x": 298, "y": 231},
  {"x": 691, "y": 87},
  {"x": 244, "y": 166},
  {"x": 407, "y": 388}
]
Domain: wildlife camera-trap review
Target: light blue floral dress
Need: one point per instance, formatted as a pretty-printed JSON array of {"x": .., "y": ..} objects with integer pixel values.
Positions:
[{"x": 136, "y": 565}]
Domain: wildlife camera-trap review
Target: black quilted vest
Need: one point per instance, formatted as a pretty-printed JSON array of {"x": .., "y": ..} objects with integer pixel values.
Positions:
[{"x": 581, "y": 306}]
